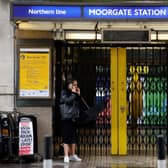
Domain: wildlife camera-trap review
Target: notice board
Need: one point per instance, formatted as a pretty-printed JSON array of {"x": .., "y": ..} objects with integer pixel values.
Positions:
[
  {"x": 26, "y": 137},
  {"x": 34, "y": 73}
]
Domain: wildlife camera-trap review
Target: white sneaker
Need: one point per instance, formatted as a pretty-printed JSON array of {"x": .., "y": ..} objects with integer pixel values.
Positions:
[
  {"x": 75, "y": 158},
  {"x": 66, "y": 159}
]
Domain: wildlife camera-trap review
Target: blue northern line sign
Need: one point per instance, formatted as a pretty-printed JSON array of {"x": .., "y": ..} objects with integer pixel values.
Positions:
[
  {"x": 46, "y": 12},
  {"x": 43, "y": 12}
]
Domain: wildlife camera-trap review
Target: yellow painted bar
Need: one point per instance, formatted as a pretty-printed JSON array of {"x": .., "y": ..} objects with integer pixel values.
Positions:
[
  {"x": 114, "y": 101},
  {"x": 122, "y": 110}
]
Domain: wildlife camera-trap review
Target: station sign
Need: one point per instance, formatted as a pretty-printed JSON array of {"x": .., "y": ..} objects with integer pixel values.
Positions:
[
  {"x": 45, "y": 12},
  {"x": 125, "y": 12},
  {"x": 82, "y": 12}
]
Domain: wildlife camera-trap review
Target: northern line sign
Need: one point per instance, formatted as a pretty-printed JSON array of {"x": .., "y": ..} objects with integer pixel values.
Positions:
[
  {"x": 43, "y": 12},
  {"x": 71, "y": 12}
]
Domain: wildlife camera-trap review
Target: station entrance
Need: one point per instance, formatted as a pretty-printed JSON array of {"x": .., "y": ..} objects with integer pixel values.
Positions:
[
  {"x": 130, "y": 77},
  {"x": 146, "y": 77}
]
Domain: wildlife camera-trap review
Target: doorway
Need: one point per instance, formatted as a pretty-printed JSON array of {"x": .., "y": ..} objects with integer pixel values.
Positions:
[{"x": 146, "y": 93}]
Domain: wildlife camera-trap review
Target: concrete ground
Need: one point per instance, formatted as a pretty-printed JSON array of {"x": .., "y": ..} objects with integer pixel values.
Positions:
[{"x": 97, "y": 162}]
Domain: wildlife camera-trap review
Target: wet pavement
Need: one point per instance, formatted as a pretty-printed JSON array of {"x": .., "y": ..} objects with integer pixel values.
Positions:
[{"x": 96, "y": 162}]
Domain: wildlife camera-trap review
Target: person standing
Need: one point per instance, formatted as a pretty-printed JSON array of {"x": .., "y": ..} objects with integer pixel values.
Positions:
[{"x": 69, "y": 108}]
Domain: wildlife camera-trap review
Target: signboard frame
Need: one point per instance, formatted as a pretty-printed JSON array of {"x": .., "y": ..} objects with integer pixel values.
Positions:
[
  {"x": 26, "y": 137},
  {"x": 148, "y": 31},
  {"x": 83, "y": 16},
  {"x": 34, "y": 52}
]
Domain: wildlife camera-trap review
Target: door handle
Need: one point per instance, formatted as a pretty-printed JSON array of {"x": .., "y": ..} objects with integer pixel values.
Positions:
[{"x": 122, "y": 108}]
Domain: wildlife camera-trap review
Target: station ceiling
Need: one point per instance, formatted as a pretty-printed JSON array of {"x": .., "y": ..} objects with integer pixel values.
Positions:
[{"x": 90, "y": 25}]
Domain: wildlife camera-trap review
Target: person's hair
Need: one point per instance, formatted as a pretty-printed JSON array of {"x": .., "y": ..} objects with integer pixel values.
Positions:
[{"x": 68, "y": 81}]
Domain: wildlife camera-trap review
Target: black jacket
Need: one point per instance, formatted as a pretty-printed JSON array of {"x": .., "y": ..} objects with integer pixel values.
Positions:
[{"x": 69, "y": 105}]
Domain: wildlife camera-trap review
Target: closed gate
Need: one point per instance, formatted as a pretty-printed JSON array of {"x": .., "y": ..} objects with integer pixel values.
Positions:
[
  {"x": 146, "y": 94},
  {"x": 147, "y": 70}
]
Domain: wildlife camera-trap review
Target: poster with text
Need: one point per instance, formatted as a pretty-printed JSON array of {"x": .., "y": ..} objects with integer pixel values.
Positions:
[
  {"x": 34, "y": 73},
  {"x": 26, "y": 138}
]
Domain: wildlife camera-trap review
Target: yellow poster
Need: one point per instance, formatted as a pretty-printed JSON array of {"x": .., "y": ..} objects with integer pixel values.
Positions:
[{"x": 34, "y": 73}]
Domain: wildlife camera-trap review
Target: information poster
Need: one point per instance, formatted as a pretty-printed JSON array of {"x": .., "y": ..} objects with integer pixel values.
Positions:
[
  {"x": 34, "y": 73},
  {"x": 26, "y": 145}
]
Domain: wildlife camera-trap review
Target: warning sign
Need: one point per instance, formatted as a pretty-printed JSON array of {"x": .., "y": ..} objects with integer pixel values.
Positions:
[{"x": 26, "y": 138}]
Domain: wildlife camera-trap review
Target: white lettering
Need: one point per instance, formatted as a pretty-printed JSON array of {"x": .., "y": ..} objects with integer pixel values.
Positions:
[
  {"x": 98, "y": 12},
  {"x": 150, "y": 12},
  {"x": 121, "y": 13},
  {"x": 144, "y": 13},
  {"x": 60, "y": 12},
  {"x": 41, "y": 12},
  {"x": 136, "y": 12},
  {"x": 110, "y": 12},
  {"x": 129, "y": 12},
  {"x": 115, "y": 12},
  {"x": 91, "y": 11}
]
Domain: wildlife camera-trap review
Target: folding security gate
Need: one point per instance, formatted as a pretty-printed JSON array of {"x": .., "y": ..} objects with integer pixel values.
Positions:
[
  {"x": 147, "y": 77},
  {"x": 146, "y": 88}
]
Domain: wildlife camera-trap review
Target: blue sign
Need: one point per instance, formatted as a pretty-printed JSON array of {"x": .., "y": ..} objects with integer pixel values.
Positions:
[
  {"x": 49, "y": 12},
  {"x": 43, "y": 12},
  {"x": 95, "y": 12}
]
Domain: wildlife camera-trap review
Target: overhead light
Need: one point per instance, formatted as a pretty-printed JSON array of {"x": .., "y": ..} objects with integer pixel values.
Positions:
[
  {"x": 45, "y": 26},
  {"x": 83, "y": 35},
  {"x": 18, "y": 22},
  {"x": 159, "y": 36},
  {"x": 91, "y": 35},
  {"x": 163, "y": 36}
]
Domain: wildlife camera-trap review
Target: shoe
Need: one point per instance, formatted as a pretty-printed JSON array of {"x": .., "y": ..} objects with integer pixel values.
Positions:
[
  {"x": 75, "y": 158},
  {"x": 66, "y": 159}
]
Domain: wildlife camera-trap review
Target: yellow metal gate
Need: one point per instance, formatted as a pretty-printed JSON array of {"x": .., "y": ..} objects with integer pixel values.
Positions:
[{"x": 118, "y": 101}]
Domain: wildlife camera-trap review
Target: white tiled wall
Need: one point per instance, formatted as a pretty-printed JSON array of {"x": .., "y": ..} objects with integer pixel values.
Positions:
[{"x": 6, "y": 58}]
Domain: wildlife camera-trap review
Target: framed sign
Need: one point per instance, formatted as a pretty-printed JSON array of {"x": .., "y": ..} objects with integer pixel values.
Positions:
[
  {"x": 34, "y": 73},
  {"x": 125, "y": 36},
  {"x": 88, "y": 12}
]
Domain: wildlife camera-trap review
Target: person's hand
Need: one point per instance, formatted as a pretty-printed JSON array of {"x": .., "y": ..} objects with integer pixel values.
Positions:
[
  {"x": 74, "y": 89},
  {"x": 78, "y": 90}
]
